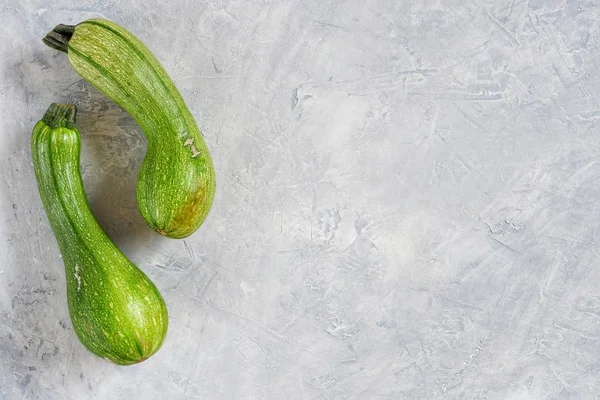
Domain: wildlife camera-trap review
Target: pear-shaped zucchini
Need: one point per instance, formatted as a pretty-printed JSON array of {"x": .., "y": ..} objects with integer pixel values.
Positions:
[
  {"x": 116, "y": 310},
  {"x": 176, "y": 182}
]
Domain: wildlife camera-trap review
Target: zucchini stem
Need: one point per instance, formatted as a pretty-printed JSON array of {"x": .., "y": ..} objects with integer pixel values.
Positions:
[
  {"x": 60, "y": 115},
  {"x": 59, "y": 37}
]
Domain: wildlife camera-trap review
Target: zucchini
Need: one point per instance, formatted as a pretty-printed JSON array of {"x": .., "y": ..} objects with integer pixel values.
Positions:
[
  {"x": 116, "y": 310},
  {"x": 176, "y": 182}
]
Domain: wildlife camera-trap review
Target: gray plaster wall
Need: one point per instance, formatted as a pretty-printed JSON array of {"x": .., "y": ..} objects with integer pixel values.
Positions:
[{"x": 408, "y": 201}]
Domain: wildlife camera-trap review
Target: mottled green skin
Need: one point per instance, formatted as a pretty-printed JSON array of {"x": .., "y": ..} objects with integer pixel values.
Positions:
[
  {"x": 116, "y": 310},
  {"x": 176, "y": 182}
]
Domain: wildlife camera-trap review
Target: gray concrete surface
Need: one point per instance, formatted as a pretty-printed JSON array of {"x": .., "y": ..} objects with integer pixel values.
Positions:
[{"x": 408, "y": 201}]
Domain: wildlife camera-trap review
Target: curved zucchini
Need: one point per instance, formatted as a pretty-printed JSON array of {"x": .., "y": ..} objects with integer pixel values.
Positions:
[
  {"x": 176, "y": 182},
  {"x": 116, "y": 310}
]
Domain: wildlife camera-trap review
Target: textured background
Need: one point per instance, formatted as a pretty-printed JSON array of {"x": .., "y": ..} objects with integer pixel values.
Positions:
[{"x": 407, "y": 207}]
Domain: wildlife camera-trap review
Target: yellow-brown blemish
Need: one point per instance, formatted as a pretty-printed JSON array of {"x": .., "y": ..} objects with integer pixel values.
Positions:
[
  {"x": 190, "y": 142},
  {"x": 195, "y": 152}
]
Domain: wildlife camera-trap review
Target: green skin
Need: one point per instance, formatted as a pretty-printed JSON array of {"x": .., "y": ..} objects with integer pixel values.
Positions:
[
  {"x": 116, "y": 310},
  {"x": 176, "y": 182}
]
